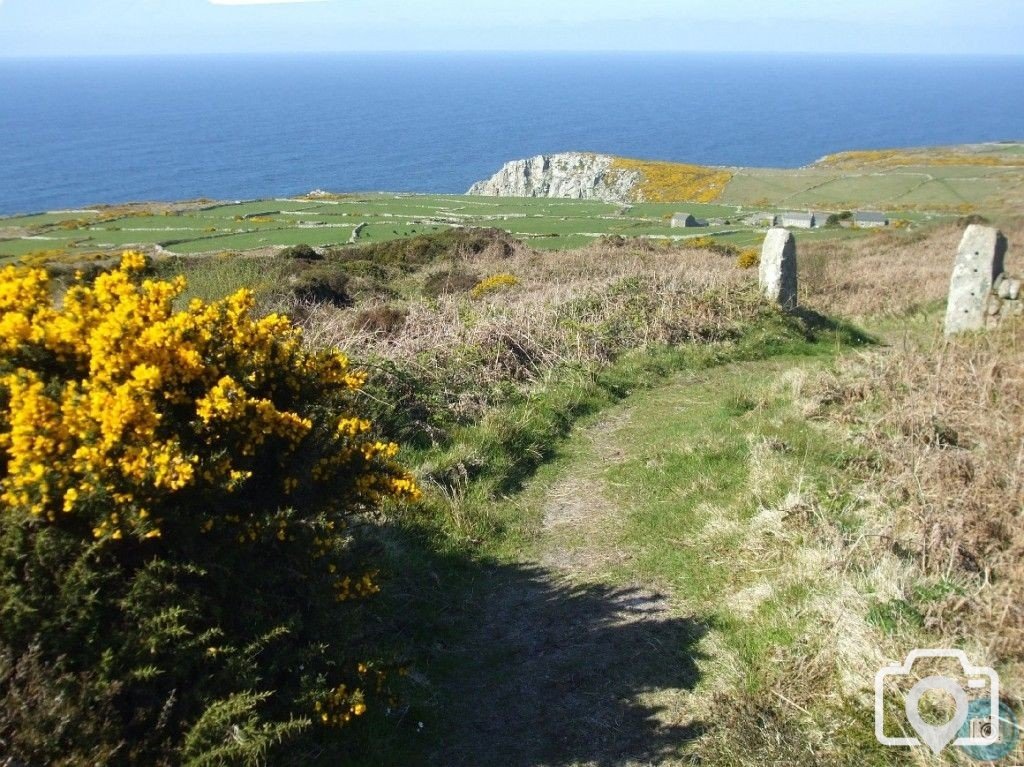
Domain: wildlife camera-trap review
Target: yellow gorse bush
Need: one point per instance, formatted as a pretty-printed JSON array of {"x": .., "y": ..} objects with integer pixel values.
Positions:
[
  {"x": 675, "y": 182},
  {"x": 493, "y": 284},
  {"x": 114, "y": 408},
  {"x": 701, "y": 243},
  {"x": 176, "y": 489},
  {"x": 748, "y": 258}
]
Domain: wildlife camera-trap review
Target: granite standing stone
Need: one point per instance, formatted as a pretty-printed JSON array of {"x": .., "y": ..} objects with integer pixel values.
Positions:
[
  {"x": 777, "y": 273},
  {"x": 978, "y": 262}
]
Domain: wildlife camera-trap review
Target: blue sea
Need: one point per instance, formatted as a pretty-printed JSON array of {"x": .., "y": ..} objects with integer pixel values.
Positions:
[{"x": 79, "y": 131}]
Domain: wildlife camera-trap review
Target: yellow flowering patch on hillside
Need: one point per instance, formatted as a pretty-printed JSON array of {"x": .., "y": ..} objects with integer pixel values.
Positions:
[
  {"x": 675, "y": 182},
  {"x": 895, "y": 158},
  {"x": 493, "y": 284},
  {"x": 61, "y": 256},
  {"x": 115, "y": 409},
  {"x": 748, "y": 258}
]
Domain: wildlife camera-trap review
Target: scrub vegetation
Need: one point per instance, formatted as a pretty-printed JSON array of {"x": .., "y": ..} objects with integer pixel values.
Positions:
[
  {"x": 668, "y": 181},
  {"x": 642, "y": 515}
]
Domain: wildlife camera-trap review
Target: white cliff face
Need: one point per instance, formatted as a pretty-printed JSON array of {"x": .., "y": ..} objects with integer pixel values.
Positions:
[{"x": 570, "y": 175}]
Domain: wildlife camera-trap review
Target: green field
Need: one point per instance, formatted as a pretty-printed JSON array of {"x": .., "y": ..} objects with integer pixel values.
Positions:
[
  {"x": 909, "y": 188},
  {"x": 981, "y": 177},
  {"x": 916, "y": 186},
  {"x": 543, "y": 223}
]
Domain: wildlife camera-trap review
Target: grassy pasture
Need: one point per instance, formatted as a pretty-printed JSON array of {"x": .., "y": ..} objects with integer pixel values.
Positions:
[
  {"x": 940, "y": 188},
  {"x": 915, "y": 184},
  {"x": 547, "y": 224},
  {"x": 42, "y": 219},
  {"x": 916, "y": 193},
  {"x": 24, "y": 246}
]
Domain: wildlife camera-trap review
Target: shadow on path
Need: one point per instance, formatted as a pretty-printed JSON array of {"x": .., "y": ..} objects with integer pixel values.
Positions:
[
  {"x": 815, "y": 324},
  {"x": 552, "y": 672}
]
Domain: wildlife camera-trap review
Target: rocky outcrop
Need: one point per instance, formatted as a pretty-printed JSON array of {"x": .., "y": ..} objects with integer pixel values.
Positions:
[{"x": 570, "y": 175}]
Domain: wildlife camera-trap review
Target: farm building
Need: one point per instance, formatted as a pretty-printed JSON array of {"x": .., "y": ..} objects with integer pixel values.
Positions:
[
  {"x": 761, "y": 219},
  {"x": 870, "y": 218},
  {"x": 797, "y": 220},
  {"x": 685, "y": 219}
]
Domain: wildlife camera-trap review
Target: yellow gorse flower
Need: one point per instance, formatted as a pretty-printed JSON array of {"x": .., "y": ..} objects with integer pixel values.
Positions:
[
  {"x": 112, "y": 402},
  {"x": 493, "y": 284},
  {"x": 341, "y": 705}
]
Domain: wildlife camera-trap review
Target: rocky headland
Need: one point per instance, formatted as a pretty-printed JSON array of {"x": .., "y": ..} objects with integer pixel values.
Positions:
[{"x": 568, "y": 175}]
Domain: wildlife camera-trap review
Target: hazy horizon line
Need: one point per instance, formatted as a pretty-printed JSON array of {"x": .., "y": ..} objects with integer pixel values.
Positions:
[{"x": 511, "y": 52}]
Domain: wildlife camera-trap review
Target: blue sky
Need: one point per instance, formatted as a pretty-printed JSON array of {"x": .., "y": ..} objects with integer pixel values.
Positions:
[{"x": 74, "y": 27}]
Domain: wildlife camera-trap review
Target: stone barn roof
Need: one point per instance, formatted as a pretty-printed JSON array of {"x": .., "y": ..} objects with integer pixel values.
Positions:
[
  {"x": 806, "y": 218},
  {"x": 870, "y": 217}
]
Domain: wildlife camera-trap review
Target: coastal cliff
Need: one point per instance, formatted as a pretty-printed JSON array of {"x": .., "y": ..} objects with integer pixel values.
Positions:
[
  {"x": 569, "y": 175},
  {"x": 589, "y": 176}
]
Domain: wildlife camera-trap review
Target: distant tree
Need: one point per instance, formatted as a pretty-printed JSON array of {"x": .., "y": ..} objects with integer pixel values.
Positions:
[{"x": 837, "y": 219}]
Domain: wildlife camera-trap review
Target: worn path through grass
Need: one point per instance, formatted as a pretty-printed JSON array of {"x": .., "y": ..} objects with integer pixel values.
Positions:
[{"x": 682, "y": 597}]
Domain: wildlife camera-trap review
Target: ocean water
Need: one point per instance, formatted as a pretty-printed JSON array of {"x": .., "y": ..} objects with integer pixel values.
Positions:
[{"x": 81, "y": 131}]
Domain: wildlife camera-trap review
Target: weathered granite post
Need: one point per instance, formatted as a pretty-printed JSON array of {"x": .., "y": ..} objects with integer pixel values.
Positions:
[
  {"x": 979, "y": 261},
  {"x": 777, "y": 272}
]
